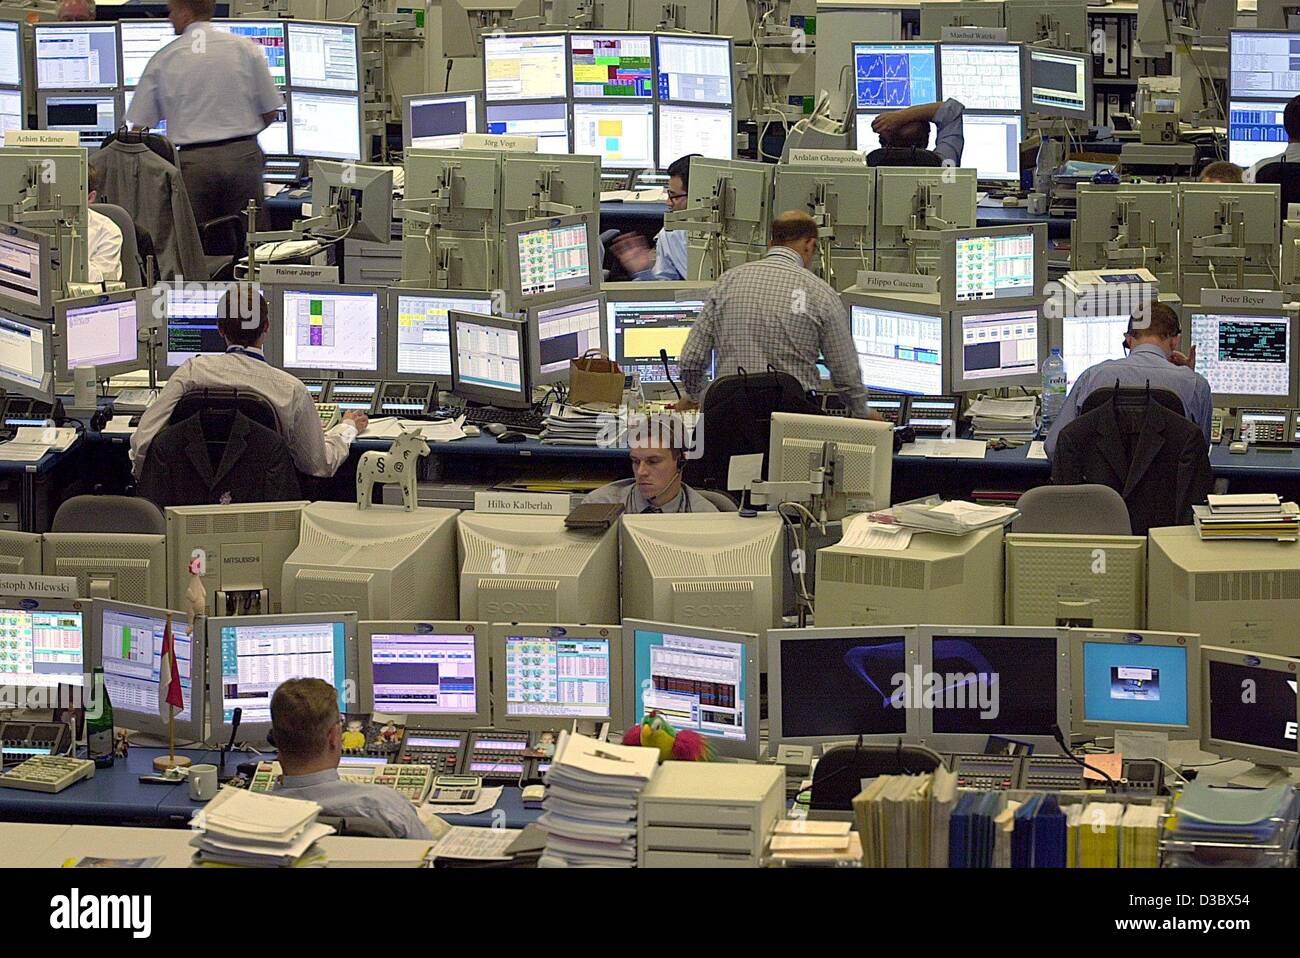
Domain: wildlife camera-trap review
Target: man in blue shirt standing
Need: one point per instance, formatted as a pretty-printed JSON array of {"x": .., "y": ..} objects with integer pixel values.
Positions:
[{"x": 667, "y": 261}]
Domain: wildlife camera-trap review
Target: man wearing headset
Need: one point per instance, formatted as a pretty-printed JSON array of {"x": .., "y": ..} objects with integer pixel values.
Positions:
[
  {"x": 657, "y": 449},
  {"x": 1151, "y": 343}
]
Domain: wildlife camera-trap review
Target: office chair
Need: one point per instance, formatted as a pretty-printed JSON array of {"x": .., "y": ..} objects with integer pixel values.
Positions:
[
  {"x": 1285, "y": 175},
  {"x": 251, "y": 404},
  {"x": 838, "y": 778},
  {"x": 720, "y": 499},
  {"x": 133, "y": 268},
  {"x": 1166, "y": 398},
  {"x": 1089, "y": 509},
  {"x": 903, "y": 156},
  {"x": 224, "y": 241},
  {"x": 123, "y": 515},
  {"x": 155, "y": 141}
]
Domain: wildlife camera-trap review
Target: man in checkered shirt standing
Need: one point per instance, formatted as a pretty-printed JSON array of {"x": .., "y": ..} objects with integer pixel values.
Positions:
[{"x": 773, "y": 311}]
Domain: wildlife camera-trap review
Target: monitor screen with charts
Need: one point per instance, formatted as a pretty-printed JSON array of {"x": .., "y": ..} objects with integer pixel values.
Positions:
[
  {"x": 79, "y": 56},
  {"x": 323, "y": 56},
  {"x": 11, "y": 53},
  {"x": 257, "y": 656},
  {"x": 327, "y": 125},
  {"x": 557, "y": 676},
  {"x": 994, "y": 267},
  {"x": 891, "y": 76},
  {"x": 525, "y": 67},
  {"x": 1244, "y": 355},
  {"x": 130, "y": 651},
  {"x": 24, "y": 354},
  {"x": 423, "y": 339},
  {"x": 898, "y": 352},
  {"x": 439, "y": 122},
  {"x": 269, "y": 36},
  {"x": 683, "y": 130},
  {"x": 993, "y": 146},
  {"x": 192, "y": 322},
  {"x": 141, "y": 39},
  {"x": 982, "y": 76},
  {"x": 21, "y": 274},
  {"x": 549, "y": 122},
  {"x": 102, "y": 334},
  {"x": 43, "y": 642},
  {"x": 488, "y": 362},
  {"x": 551, "y": 256},
  {"x": 1263, "y": 65},
  {"x": 1255, "y": 131},
  {"x": 1136, "y": 684},
  {"x": 621, "y": 134},
  {"x": 565, "y": 332},
  {"x": 1058, "y": 82},
  {"x": 694, "y": 69},
  {"x": 92, "y": 117},
  {"x": 425, "y": 673},
  {"x": 330, "y": 329},
  {"x": 1088, "y": 340},
  {"x": 997, "y": 348},
  {"x": 639, "y": 330},
  {"x": 611, "y": 65}
]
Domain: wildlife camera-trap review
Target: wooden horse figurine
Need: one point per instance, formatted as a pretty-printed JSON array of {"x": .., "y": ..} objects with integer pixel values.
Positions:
[{"x": 398, "y": 465}]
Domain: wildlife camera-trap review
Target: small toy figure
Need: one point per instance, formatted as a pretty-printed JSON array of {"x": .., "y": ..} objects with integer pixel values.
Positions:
[{"x": 683, "y": 746}]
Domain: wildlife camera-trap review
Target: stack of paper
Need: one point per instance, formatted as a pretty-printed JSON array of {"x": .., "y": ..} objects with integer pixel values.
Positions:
[
  {"x": 893, "y": 815},
  {"x": 592, "y": 790},
  {"x": 814, "y": 843},
  {"x": 1004, "y": 418},
  {"x": 239, "y": 827},
  {"x": 390, "y": 427},
  {"x": 972, "y": 831},
  {"x": 1095, "y": 834},
  {"x": 1140, "y": 837},
  {"x": 1231, "y": 825},
  {"x": 1038, "y": 837},
  {"x": 1263, "y": 516},
  {"x": 955, "y": 518},
  {"x": 590, "y": 425}
]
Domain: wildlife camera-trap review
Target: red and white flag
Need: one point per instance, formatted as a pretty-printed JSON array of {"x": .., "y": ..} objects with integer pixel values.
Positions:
[{"x": 169, "y": 674}]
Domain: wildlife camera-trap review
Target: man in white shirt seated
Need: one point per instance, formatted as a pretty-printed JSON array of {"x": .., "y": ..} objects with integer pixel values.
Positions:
[
  {"x": 244, "y": 322},
  {"x": 103, "y": 238},
  {"x": 657, "y": 449}
]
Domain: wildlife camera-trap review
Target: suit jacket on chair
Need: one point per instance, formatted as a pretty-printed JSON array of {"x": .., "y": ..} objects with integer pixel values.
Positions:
[{"x": 1156, "y": 459}]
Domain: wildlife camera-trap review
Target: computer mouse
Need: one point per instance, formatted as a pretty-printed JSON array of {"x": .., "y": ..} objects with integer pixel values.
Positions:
[
  {"x": 495, "y": 428},
  {"x": 511, "y": 437},
  {"x": 470, "y": 431},
  {"x": 1239, "y": 448}
]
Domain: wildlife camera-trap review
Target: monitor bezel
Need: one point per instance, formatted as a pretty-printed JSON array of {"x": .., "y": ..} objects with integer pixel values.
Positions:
[
  {"x": 513, "y": 287},
  {"x": 1026, "y": 75},
  {"x": 652, "y": 109},
  {"x": 948, "y": 240},
  {"x": 685, "y": 291},
  {"x": 731, "y": 58},
  {"x": 367, "y": 629},
  {"x": 913, "y": 306},
  {"x": 159, "y": 303},
  {"x": 46, "y": 391},
  {"x": 292, "y": 84},
  {"x": 275, "y": 338},
  {"x": 538, "y": 377},
  {"x": 46, "y": 25},
  {"x": 61, "y": 309},
  {"x": 292, "y": 91},
  {"x": 617, "y": 711},
  {"x": 23, "y": 79},
  {"x": 1292, "y": 398},
  {"x": 1242, "y": 750},
  {"x": 648, "y": 35},
  {"x": 663, "y": 160},
  {"x": 1186, "y": 640},
  {"x": 487, "y": 394},
  {"x": 957, "y": 370}
]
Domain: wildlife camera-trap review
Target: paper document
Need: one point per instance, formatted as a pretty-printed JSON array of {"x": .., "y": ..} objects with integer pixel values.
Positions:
[
  {"x": 861, "y": 533},
  {"x": 23, "y": 452},
  {"x": 487, "y": 801},
  {"x": 477, "y": 844},
  {"x": 1036, "y": 450},
  {"x": 946, "y": 448},
  {"x": 390, "y": 427},
  {"x": 56, "y": 438}
]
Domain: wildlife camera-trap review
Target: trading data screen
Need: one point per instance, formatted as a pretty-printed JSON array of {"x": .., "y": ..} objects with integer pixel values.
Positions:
[
  {"x": 1243, "y": 355},
  {"x": 102, "y": 334},
  {"x": 523, "y": 67},
  {"x": 693, "y": 682},
  {"x": 891, "y": 76},
  {"x": 999, "y": 344},
  {"x": 269, "y": 36},
  {"x": 708, "y": 131},
  {"x": 256, "y": 659},
  {"x": 131, "y": 652},
  {"x": 41, "y": 649},
  {"x": 330, "y": 330},
  {"x": 423, "y": 337},
  {"x": 565, "y": 332},
  {"x": 1089, "y": 340},
  {"x": 424, "y": 674},
  {"x": 20, "y": 268},
  {"x": 1059, "y": 80},
  {"x": 617, "y": 65},
  {"x": 141, "y": 39},
  {"x": 326, "y": 125},
  {"x": 621, "y": 134},
  {"x": 994, "y": 267},
  {"x": 1255, "y": 131},
  {"x": 694, "y": 69},
  {"x": 22, "y": 353},
  {"x": 898, "y": 352},
  {"x": 192, "y": 322},
  {"x": 561, "y": 677},
  {"x": 83, "y": 57},
  {"x": 1264, "y": 65},
  {"x": 323, "y": 55},
  {"x": 553, "y": 259},
  {"x": 982, "y": 76},
  {"x": 549, "y": 122},
  {"x": 638, "y": 331},
  {"x": 437, "y": 123},
  {"x": 490, "y": 356}
]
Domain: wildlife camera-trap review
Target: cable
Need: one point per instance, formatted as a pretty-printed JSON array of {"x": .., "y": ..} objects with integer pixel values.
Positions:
[{"x": 1065, "y": 748}]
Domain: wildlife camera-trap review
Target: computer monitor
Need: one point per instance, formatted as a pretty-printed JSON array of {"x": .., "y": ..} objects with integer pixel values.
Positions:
[
  {"x": 420, "y": 343},
  {"x": 705, "y": 680},
  {"x": 904, "y": 192},
  {"x": 141, "y": 39},
  {"x": 1059, "y": 83},
  {"x": 191, "y": 311},
  {"x": 129, "y": 567},
  {"x": 863, "y": 464},
  {"x": 1076, "y": 581},
  {"x": 11, "y": 53},
  {"x": 528, "y": 179},
  {"x": 611, "y": 65},
  {"x": 561, "y": 332},
  {"x": 1255, "y": 130},
  {"x": 45, "y": 641},
  {"x": 381, "y": 563},
  {"x": 846, "y": 194},
  {"x": 26, "y": 357},
  {"x": 683, "y": 130},
  {"x": 549, "y": 122},
  {"x": 1246, "y": 355},
  {"x": 269, "y": 36},
  {"x": 360, "y": 196},
  {"x": 1088, "y": 339},
  {"x": 998, "y": 680},
  {"x": 552, "y": 259},
  {"x": 437, "y": 121},
  {"x": 324, "y": 56},
  {"x": 26, "y": 282},
  {"x": 900, "y": 345},
  {"x": 993, "y": 145},
  {"x": 489, "y": 360},
  {"x": 525, "y": 66},
  {"x": 1262, "y": 66},
  {"x": 92, "y": 116},
  {"x": 101, "y": 331},
  {"x": 517, "y": 568},
  {"x": 434, "y": 673},
  {"x": 830, "y": 685},
  {"x": 126, "y": 641},
  {"x": 76, "y": 56},
  {"x": 621, "y": 134},
  {"x": 1250, "y": 711},
  {"x": 996, "y": 347},
  {"x": 937, "y": 14},
  {"x": 694, "y": 69},
  {"x": 546, "y": 677},
  {"x": 326, "y": 125},
  {"x": 327, "y": 329},
  {"x": 1134, "y": 680},
  {"x": 1135, "y": 224},
  {"x": 983, "y": 76},
  {"x": 641, "y": 322},
  {"x": 13, "y": 115},
  {"x": 20, "y": 553},
  {"x": 890, "y": 76},
  {"x": 246, "y": 545},
  {"x": 741, "y": 190},
  {"x": 253, "y": 655},
  {"x": 1058, "y": 24}
]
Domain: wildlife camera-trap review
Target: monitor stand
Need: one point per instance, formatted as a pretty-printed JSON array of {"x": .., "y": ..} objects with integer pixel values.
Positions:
[{"x": 1261, "y": 776}]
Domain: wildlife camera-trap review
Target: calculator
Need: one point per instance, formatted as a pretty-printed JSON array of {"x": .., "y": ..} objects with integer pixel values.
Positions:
[
  {"x": 456, "y": 790},
  {"x": 48, "y": 773}
]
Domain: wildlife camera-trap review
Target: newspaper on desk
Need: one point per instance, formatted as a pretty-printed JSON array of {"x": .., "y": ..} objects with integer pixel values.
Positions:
[
  {"x": 953, "y": 518},
  {"x": 390, "y": 427}
]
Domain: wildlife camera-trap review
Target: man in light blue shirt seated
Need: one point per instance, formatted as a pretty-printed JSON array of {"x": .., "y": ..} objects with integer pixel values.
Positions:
[
  {"x": 1152, "y": 341},
  {"x": 308, "y": 733},
  {"x": 667, "y": 261},
  {"x": 910, "y": 129}
]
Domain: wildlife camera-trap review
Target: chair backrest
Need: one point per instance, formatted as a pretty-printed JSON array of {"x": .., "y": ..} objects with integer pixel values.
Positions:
[
  {"x": 1166, "y": 398},
  {"x": 132, "y": 263},
  {"x": 124, "y": 515},
  {"x": 251, "y": 404},
  {"x": 1285, "y": 175},
  {"x": 903, "y": 156},
  {"x": 155, "y": 141},
  {"x": 1084, "y": 510},
  {"x": 840, "y": 772},
  {"x": 720, "y": 499}
]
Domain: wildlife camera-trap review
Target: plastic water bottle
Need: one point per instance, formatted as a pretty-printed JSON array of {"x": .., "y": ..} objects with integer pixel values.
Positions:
[{"x": 1053, "y": 386}]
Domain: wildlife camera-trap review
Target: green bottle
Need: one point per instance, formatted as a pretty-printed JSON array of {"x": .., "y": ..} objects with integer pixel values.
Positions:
[{"x": 99, "y": 729}]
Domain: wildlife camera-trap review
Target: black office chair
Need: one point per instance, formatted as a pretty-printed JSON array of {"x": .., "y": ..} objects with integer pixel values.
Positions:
[
  {"x": 251, "y": 404},
  {"x": 224, "y": 241},
  {"x": 839, "y": 775},
  {"x": 1285, "y": 175},
  {"x": 903, "y": 156}
]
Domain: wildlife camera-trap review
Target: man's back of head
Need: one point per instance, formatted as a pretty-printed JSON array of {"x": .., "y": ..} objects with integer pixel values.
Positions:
[{"x": 303, "y": 713}]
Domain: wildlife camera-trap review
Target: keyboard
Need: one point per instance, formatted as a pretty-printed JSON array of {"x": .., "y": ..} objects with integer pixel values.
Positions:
[
  {"x": 48, "y": 773},
  {"x": 520, "y": 420}
]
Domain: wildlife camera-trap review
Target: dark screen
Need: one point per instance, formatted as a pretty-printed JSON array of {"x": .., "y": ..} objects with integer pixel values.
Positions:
[
  {"x": 1266, "y": 722},
  {"x": 1021, "y": 677},
  {"x": 841, "y": 687}
]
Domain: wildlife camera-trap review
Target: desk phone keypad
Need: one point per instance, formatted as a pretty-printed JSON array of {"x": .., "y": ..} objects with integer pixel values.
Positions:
[
  {"x": 412, "y": 782},
  {"x": 351, "y": 394},
  {"x": 329, "y": 413},
  {"x": 440, "y": 750},
  {"x": 499, "y": 756},
  {"x": 22, "y": 740},
  {"x": 48, "y": 773},
  {"x": 1053, "y": 773},
  {"x": 407, "y": 399},
  {"x": 997, "y": 772},
  {"x": 1264, "y": 425}
]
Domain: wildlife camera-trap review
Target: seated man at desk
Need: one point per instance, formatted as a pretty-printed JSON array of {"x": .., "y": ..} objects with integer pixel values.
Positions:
[
  {"x": 103, "y": 238},
  {"x": 668, "y": 259},
  {"x": 1152, "y": 341},
  {"x": 244, "y": 322},
  {"x": 308, "y": 733},
  {"x": 910, "y": 129},
  {"x": 657, "y": 449}
]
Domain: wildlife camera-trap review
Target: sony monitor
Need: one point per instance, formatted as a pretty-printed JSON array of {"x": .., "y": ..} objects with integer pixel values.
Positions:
[
  {"x": 1245, "y": 354},
  {"x": 437, "y": 121},
  {"x": 862, "y": 465},
  {"x": 326, "y": 125},
  {"x": 621, "y": 134},
  {"x": 419, "y": 345},
  {"x": 26, "y": 356},
  {"x": 434, "y": 673},
  {"x": 546, "y": 677},
  {"x": 488, "y": 360},
  {"x": 1075, "y": 580},
  {"x": 1250, "y": 711},
  {"x": 92, "y": 116},
  {"x": 141, "y": 39},
  {"x": 611, "y": 66},
  {"x": 900, "y": 344},
  {"x": 101, "y": 331},
  {"x": 190, "y": 311},
  {"x": 327, "y": 329},
  {"x": 549, "y": 122},
  {"x": 1059, "y": 83},
  {"x": 997, "y": 347},
  {"x": 560, "y": 332},
  {"x": 1134, "y": 680},
  {"x": 523, "y": 66},
  {"x": 694, "y": 69},
  {"x": 76, "y": 56},
  {"x": 553, "y": 258},
  {"x": 129, "y": 567},
  {"x": 324, "y": 56},
  {"x": 892, "y": 76}
]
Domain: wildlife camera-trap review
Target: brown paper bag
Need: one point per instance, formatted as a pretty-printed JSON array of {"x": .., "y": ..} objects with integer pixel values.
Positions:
[{"x": 594, "y": 377}]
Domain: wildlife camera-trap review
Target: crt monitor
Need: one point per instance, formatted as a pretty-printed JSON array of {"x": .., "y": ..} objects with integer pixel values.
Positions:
[
  {"x": 126, "y": 641},
  {"x": 26, "y": 357},
  {"x": 92, "y": 116},
  {"x": 326, "y": 125},
  {"x": 621, "y": 134},
  {"x": 434, "y": 673},
  {"x": 141, "y": 39},
  {"x": 995, "y": 264},
  {"x": 76, "y": 56},
  {"x": 983, "y": 76},
  {"x": 900, "y": 345},
  {"x": 863, "y": 464},
  {"x": 1074, "y": 580},
  {"x": 45, "y": 642},
  {"x": 324, "y": 56},
  {"x": 561, "y": 332},
  {"x": 640, "y": 323},
  {"x": 1058, "y": 83},
  {"x": 996, "y": 347},
  {"x": 249, "y": 656},
  {"x": 705, "y": 680},
  {"x": 1245, "y": 354},
  {"x": 996, "y": 680},
  {"x": 437, "y": 121},
  {"x": 553, "y": 258},
  {"x": 20, "y": 553},
  {"x": 357, "y": 196},
  {"x": 694, "y": 69},
  {"x": 1255, "y": 131},
  {"x": 327, "y": 329},
  {"x": 101, "y": 331},
  {"x": 420, "y": 344},
  {"x": 611, "y": 65},
  {"x": 828, "y": 685},
  {"x": 1250, "y": 711},
  {"x": 129, "y": 567},
  {"x": 683, "y": 130},
  {"x": 269, "y": 37},
  {"x": 488, "y": 360},
  {"x": 11, "y": 53},
  {"x": 1132, "y": 679},
  {"x": 524, "y": 66},
  {"x": 191, "y": 315},
  {"x": 546, "y": 677},
  {"x": 891, "y": 76},
  {"x": 533, "y": 569},
  {"x": 381, "y": 563},
  {"x": 549, "y": 122}
]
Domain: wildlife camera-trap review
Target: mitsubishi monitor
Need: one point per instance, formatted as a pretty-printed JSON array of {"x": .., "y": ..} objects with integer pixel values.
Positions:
[
  {"x": 437, "y": 121},
  {"x": 327, "y": 329},
  {"x": 488, "y": 360},
  {"x": 129, "y": 567},
  {"x": 829, "y": 685},
  {"x": 1234, "y": 593},
  {"x": 434, "y": 673},
  {"x": 621, "y": 134},
  {"x": 190, "y": 310},
  {"x": 900, "y": 345},
  {"x": 101, "y": 331},
  {"x": 561, "y": 332},
  {"x": 44, "y": 642},
  {"x": 683, "y": 130},
  {"x": 126, "y": 641},
  {"x": 381, "y": 563},
  {"x": 327, "y": 125},
  {"x": 549, "y": 122},
  {"x": 1059, "y": 83},
  {"x": 891, "y": 76},
  {"x": 641, "y": 322},
  {"x": 993, "y": 146},
  {"x": 546, "y": 677},
  {"x": 994, "y": 265},
  {"x": 863, "y": 463},
  {"x": 553, "y": 258},
  {"x": 269, "y": 37},
  {"x": 997, "y": 347},
  {"x": 1076, "y": 581},
  {"x": 92, "y": 116},
  {"x": 1089, "y": 339},
  {"x": 324, "y": 56},
  {"x": 958, "y": 578},
  {"x": 26, "y": 357},
  {"x": 11, "y": 53},
  {"x": 1245, "y": 354},
  {"x": 246, "y": 545},
  {"x": 13, "y": 115},
  {"x": 999, "y": 680},
  {"x": 250, "y": 656},
  {"x": 1250, "y": 711},
  {"x": 1255, "y": 131},
  {"x": 419, "y": 345},
  {"x": 983, "y": 76},
  {"x": 611, "y": 66},
  {"x": 523, "y": 66},
  {"x": 1129, "y": 679},
  {"x": 76, "y": 56},
  {"x": 517, "y": 568},
  {"x": 141, "y": 39}
]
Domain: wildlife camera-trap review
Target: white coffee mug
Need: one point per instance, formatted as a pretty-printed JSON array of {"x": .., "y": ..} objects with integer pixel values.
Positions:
[{"x": 203, "y": 782}]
